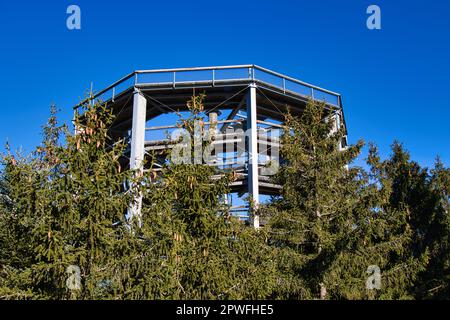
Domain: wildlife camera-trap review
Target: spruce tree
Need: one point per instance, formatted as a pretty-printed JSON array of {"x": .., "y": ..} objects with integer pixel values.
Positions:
[
  {"x": 65, "y": 201},
  {"x": 194, "y": 248},
  {"x": 63, "y": 214},
  {"x": 424, "y": 196},
  {"x": 437, "y": 276},
  {"x": 63, "y": 210},
  {"x": 330, "y": 224}
]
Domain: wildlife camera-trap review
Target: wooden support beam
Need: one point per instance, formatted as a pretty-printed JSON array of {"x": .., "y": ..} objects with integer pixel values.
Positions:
[{"x": 252, "y": 127}]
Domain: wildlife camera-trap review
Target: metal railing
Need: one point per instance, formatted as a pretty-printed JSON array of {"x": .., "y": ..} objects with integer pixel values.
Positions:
[{"x": 216, "y": 76}]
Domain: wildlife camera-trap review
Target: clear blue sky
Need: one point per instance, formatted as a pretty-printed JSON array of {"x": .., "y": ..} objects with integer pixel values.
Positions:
[{"x": 395, "y": 82}]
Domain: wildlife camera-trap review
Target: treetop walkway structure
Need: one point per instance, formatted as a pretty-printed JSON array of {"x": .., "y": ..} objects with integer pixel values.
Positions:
[{"x": 237, "y": 98}]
